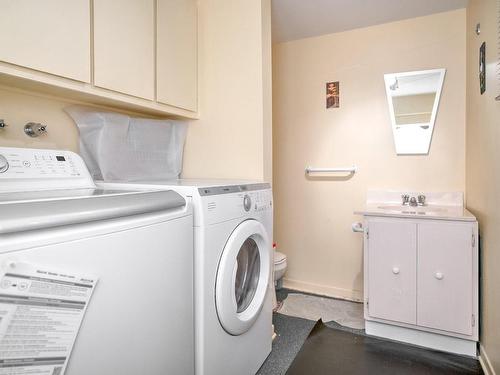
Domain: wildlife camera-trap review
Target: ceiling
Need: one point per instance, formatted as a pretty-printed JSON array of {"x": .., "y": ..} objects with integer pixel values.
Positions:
[{"x": 296, "y": 19}]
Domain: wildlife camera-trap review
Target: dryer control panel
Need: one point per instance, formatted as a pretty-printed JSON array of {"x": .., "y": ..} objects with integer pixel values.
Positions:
[
  {"x": 64, "y": 169},
  {"x": 240, "y": 201},
  {"x": 258, "y": 201}
]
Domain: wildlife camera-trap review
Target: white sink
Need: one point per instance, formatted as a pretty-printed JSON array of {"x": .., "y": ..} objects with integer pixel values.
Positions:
[
  {"x": 440, "y": 206},
  {"x": 412, "y": 210}
]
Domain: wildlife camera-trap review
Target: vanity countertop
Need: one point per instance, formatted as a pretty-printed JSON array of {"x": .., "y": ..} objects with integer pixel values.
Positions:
[
  {"x": 440, "y": 206},
  {"x": 435, "y": 212}
]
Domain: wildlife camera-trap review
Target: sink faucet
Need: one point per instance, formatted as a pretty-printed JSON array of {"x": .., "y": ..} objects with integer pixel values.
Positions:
[
  {"x": 406, "y": 200},
  {"x": 421, "y": 200}
]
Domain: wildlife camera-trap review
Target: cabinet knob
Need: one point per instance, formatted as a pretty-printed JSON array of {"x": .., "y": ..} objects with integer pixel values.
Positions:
[
  {"x": 395, "y": 270},
  {"x": 439, "y": 275}
]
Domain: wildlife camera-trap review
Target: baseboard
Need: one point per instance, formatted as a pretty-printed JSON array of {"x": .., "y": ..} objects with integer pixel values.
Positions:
[
  {"x": 485, "y": 362},
  {"x": 324, "y": 290},
  {"x": 422, "y": 338}
]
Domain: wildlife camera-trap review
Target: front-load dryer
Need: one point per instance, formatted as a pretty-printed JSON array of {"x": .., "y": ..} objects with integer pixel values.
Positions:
[{"x": 233, "y": 273}]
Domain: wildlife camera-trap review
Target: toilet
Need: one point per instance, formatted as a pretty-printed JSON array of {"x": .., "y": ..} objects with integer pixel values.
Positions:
[{"x": 279, "y": 268}]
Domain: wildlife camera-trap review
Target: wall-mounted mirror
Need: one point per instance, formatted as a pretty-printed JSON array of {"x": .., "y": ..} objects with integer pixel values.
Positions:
[{"x": 413, "y": 99}]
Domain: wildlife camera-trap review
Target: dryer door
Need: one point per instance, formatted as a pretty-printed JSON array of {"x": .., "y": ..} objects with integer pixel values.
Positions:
[{"x": 243, "y": 277}]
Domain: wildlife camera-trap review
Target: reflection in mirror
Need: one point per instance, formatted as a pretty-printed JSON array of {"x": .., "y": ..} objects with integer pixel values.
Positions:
[{"x": 413, "y": 99}]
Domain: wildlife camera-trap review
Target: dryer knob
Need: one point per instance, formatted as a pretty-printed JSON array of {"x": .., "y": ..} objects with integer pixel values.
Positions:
[
  {"x": 247, "y": 203},
  {"x": 4, "y": 164}
]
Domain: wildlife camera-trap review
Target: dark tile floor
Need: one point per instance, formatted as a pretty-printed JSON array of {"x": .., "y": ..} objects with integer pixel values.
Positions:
[{"x": 367, "y": 355}]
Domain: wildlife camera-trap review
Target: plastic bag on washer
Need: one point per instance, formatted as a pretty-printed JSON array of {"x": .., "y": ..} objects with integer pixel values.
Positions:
[{"x": 117, "y": 147}]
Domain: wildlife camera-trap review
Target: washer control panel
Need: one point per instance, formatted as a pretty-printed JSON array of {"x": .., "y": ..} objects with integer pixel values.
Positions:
[
  {"x": 19, "y": 164},
  {"x": 38, "y": 163},
  {"x": 4, "y": 164}
]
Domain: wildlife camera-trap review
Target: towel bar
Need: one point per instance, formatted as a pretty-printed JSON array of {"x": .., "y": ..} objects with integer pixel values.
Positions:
[{"x": 351, "y": 170}]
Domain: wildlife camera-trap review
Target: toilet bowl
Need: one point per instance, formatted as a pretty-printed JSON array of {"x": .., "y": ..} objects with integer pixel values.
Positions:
[{"x": 279, "y": 268}]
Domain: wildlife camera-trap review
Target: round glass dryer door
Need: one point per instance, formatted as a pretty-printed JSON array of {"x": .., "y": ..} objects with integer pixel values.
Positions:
[{"x": 243, "y": 277}]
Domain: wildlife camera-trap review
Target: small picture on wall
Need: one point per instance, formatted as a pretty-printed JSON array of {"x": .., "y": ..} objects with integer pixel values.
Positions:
[
  {"x": 482, "y": 68},
  {"x": 332, "y": 95}
]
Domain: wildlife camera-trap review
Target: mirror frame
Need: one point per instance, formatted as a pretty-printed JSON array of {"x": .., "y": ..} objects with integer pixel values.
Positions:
[{"x": 388, "y": 78}]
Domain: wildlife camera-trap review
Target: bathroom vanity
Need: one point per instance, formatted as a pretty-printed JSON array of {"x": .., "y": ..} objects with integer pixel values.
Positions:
[{"x": 421, "y": 270}]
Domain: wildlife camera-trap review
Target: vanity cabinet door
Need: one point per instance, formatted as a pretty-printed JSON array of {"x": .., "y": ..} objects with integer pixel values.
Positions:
[
  {"x": 445, "y": 277},
  {"x": 392, "y": 249}
]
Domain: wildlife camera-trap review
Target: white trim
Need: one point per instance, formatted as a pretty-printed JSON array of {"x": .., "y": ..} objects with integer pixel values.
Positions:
[
  {"x": 324, "y": 290},
  {"x": 485, "y": 362},
  {"x": 421, "y": 338}
]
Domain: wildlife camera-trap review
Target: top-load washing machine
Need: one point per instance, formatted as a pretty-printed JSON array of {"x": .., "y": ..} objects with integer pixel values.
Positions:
[
  {"x": 233, "y": 273},
  {"x": 92, "y": 280}
]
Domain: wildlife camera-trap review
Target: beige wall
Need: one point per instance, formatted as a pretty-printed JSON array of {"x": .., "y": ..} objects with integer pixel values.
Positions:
[
  {"x": 229, "y": 140},
  {"x": 482, "y": 168},
  {"x": 233, "y": 137},
  {"x": 313, "y": 216},
  {"x": 17, "y": 107}
]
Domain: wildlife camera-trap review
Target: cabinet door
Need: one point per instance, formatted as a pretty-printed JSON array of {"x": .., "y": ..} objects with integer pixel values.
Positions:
[
  {"x": 445, "y": 272},
  {"x": 124, "y": 40},
  {"x": 51, "y": 36},
  {"x": 392, "y": 270},
  {"x": 177, "y": 53}
]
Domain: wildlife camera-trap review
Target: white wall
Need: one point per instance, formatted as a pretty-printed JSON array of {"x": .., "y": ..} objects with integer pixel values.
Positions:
[
  {"x": 483, "y": 172},
  {"x": 313, "y": 215}
]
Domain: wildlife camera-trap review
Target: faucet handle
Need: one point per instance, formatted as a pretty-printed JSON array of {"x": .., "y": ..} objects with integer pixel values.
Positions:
[
  {"x": 421, "y": 200},
  {"x": 405, "y": 199}
]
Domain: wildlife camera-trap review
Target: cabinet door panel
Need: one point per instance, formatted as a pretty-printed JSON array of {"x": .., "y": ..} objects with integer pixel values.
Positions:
[
  {"x": 124, "y": 41},
  {"x": 392, "y": 270},
  {"x": 445, "y": 285},
  {"x": 52, "y": 36},
  {"x": 177, "y": 53}
]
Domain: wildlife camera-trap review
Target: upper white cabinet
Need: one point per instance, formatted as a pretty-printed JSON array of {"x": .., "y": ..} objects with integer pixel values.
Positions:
[
  {"x": 124, "y": 46},
  {"x": 177, "y": 53},
  {"x": 51, "y": 36},
  {"x": 138, "y": 55}
]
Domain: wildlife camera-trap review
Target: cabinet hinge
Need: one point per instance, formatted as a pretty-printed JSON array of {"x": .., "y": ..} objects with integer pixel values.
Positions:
[
  {"x": 367, "y": 233},
  {"x": 473, "y": 240},
  {"x": 367, "y": 304},
  {"x": 473, "y": 320}
]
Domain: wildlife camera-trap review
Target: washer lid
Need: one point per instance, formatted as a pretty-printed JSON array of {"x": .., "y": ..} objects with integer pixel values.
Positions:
[{"x": 44, "y": 209}]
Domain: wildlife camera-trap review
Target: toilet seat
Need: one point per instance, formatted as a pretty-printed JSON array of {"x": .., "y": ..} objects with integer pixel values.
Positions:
[
  {"x": 280, "y": 265},
  {"x": 279, "y": 258}
]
